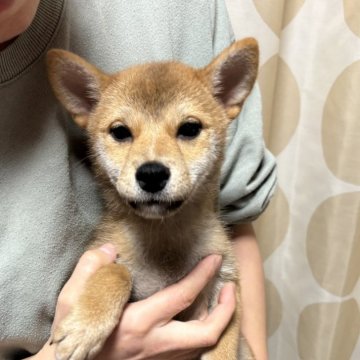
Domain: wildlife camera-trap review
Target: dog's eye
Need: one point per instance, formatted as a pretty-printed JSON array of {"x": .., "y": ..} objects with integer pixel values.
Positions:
[
  {"x": 121, "y": 133},
  {"x": 189, "y": 130}
]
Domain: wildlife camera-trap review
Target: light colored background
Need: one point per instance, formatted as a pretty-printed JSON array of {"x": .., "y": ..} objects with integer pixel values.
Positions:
[{"x": 310, "y": 234}]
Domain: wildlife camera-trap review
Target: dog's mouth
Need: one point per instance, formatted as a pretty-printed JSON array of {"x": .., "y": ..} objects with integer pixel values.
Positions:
[{"x": 156, "y": 208}]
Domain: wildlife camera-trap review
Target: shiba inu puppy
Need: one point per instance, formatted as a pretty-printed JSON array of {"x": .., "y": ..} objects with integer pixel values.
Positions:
[{"x": 157, "y": 136}]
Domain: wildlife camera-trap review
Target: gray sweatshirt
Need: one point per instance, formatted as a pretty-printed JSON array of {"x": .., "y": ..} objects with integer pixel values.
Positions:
[{"x": 48, "y": 200}]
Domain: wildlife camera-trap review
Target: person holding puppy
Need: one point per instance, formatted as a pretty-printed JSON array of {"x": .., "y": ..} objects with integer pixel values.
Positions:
[{"x": 49, "y": 200}]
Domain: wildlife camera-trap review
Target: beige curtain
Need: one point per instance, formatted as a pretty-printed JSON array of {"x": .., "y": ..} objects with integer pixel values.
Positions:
[{"x": 310, "y": 234}]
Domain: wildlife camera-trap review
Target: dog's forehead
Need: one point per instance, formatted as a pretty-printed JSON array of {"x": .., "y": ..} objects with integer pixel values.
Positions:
[{"x": 157, "y": 85}]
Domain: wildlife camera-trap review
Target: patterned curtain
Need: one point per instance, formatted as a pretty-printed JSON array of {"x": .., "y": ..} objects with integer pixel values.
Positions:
[{"x": 310, "y": 234}]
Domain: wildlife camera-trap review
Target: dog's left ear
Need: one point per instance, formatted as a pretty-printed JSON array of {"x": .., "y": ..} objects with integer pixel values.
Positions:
[{"x": 232, "y": 74}]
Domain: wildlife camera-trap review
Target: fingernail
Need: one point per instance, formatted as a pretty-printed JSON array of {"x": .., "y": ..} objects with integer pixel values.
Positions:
[
  {"x": 217, "y": 260},
  {"x": 228, "y": 293},
  {"x": 108, "y": 249},
  {"x": 203, "y": 314},
  {"x": 231, "y": 287}
]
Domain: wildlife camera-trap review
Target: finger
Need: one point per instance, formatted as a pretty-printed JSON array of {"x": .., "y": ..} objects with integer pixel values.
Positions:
[
  {"x": 200, "y": 334},
  {"x": 89, "y": 262},
  {"x": 203, "y": 313},
  {"x": 175, "y": 298},
  {"x": 221, "y": 315}
]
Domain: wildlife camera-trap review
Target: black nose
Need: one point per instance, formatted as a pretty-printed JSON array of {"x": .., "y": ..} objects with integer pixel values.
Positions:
[{"x": 152, "y": 176}]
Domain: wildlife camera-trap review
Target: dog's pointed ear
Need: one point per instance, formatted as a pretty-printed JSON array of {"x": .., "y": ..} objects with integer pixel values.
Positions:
[
  {"x": 76, "y": 83},
  {"x": 232, "y": 74}
]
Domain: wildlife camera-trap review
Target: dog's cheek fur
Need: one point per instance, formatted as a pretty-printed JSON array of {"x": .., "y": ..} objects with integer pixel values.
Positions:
[
  {"x": 112, "y": 171},
  {"x": 201, "y": 165},
  {"x": 111, "y": 158}
]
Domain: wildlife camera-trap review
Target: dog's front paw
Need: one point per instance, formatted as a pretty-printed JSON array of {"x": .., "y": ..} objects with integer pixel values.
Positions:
[{"x": 76, "y": 339}]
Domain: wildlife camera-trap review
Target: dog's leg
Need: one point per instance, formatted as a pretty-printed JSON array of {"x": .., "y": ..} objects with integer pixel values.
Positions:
[
  {"x": 84, "y": 330},
  {"x": 232, "y": 345}
]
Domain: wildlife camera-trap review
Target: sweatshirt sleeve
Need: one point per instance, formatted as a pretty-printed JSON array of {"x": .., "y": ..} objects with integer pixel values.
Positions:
[{"x": 248, "y": 176}]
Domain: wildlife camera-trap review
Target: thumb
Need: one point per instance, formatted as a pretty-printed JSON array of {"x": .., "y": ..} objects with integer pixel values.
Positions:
[{"x": 88, "y": 264}]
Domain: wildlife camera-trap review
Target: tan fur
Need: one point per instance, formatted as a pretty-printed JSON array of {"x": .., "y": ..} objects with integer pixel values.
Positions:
[{"x": 157, "y": 244}]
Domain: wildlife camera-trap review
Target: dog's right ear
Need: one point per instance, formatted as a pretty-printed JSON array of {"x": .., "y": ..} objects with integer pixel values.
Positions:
[{"x": 76, "y": 83}]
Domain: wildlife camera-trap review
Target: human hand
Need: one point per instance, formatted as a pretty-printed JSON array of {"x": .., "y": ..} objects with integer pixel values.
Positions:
[
  {"x": 88, "y": 264},
  {"x": 146, "y": 330}
]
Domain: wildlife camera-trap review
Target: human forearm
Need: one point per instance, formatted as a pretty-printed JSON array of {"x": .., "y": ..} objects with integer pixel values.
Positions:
[{"x": 253, "y": 293}]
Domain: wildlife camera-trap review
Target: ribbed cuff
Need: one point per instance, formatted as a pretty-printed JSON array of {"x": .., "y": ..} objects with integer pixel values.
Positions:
[{"x": 29, "y": 46}]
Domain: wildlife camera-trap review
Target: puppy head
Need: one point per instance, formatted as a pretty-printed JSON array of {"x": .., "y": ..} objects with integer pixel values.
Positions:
[{"x": 157, "y": 131}]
